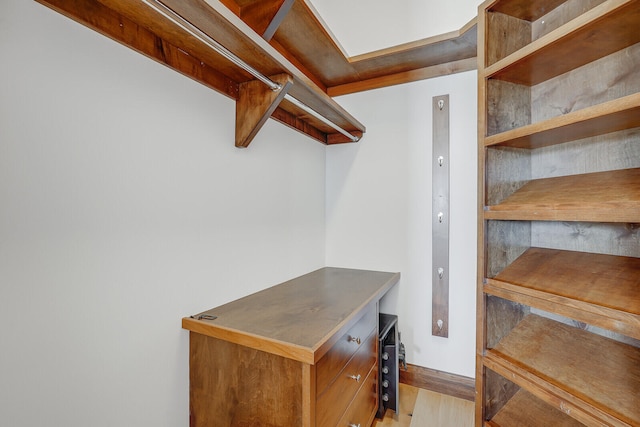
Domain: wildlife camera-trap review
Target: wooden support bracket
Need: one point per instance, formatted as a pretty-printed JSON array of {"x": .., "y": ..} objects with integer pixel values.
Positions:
[{"x": 256, "y": 102}]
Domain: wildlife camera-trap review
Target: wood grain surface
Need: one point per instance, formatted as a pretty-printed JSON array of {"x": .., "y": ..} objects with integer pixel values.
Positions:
[
  {"x": 610, "y": 196},
  {"x": 224, "y": 393},
  {"x": 606, "y": 280},
  {"x": 325, "y": 301}
]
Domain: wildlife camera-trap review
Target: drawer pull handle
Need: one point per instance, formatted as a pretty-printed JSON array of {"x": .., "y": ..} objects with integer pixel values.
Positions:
[
  {"x": 355, "y": 339},
  {"x": 354, "y": 425},
  {"x": 355, "y": 377}
]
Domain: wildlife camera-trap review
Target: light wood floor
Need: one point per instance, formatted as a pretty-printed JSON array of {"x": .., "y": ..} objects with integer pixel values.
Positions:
[{"x": 424, "y": 408}]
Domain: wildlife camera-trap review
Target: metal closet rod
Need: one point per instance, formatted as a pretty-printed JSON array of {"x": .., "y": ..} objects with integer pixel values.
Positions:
[{"x": 187, "y": 26}]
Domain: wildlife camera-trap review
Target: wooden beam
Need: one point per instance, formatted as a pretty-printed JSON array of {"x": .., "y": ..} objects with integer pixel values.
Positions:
[
  {"x": 405, "y": 77},
  {"x": 256, "y": 102},
  {"x": 106, "y": 21}
]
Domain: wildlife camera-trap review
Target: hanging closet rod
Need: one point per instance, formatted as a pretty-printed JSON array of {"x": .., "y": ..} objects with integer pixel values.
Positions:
[
  {"x": 187, "y": 26},
  {"x": 320, "y": 117}
]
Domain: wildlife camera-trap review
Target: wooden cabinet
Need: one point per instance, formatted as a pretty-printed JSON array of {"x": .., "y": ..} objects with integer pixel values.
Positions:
[
  {"x": 302, "y": 353},
  {"x": 559, "y": 235}
]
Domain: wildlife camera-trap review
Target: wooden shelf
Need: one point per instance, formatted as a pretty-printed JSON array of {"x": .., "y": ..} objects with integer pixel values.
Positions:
[
  {"x": 299, "y": 33},
  {"x": 283, "y": 39},
  {"x": 595, "y": 379},
  {"x": 602, "y": 290},
  {"x": 605, "y": 29},
  {"x": 612, "y": 116},
  {"x": 525, "y": 410},
  {"x": 611, "y": 196},
  {"x": 139, "y": 27}
]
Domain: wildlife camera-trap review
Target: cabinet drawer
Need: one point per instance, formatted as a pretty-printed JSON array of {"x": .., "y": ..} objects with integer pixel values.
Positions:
[
  {"x": 364, "y": 406},
  {"x": 334, "y": 361},
  {"x": 336, "y": 398}
]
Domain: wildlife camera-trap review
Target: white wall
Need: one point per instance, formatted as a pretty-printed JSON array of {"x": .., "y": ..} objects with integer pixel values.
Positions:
[
  {"x": 379, "y": 210},
  {"x": 124, "y": 206},
  {"x": 379, "y": 191}
]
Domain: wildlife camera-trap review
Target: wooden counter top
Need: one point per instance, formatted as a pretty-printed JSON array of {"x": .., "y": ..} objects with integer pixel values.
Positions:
[{"x": 299, "y": 319}]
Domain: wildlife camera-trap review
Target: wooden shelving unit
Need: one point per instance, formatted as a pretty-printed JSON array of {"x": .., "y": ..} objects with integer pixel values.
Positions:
[
  {"x": 284, "y": 40},
  {"x": 559, "y": 254}
]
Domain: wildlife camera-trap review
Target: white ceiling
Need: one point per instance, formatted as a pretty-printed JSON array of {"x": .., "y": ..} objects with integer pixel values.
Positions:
[{"x": 363, "y": 26}]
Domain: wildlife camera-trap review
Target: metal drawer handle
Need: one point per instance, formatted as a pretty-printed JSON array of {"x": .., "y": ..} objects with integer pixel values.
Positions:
[
  {"x": 355, "y": 339},
  {"x": 355, "y": 377},
  {"x": 354, "y": 425}
]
